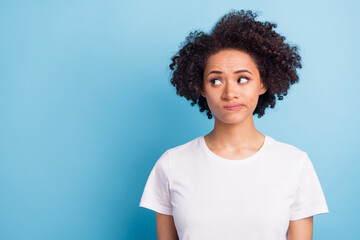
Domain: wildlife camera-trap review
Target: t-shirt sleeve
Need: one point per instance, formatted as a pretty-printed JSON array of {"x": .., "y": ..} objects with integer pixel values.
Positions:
[
  {"x": 156, "y": 195},
  {"x": 309, "y": 199}
]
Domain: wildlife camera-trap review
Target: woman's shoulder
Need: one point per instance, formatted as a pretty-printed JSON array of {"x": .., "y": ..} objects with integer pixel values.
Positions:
[
  {"x": 283, "y": 148},
  {"x": 187, "y": 146}
]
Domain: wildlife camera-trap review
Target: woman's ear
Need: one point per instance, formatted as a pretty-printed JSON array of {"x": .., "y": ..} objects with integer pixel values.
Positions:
[
  {"x": 203, "y": 93},
  {"x": 263, "y": 88}
]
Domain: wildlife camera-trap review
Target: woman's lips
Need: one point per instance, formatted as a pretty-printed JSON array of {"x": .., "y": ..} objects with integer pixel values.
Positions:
[{"x": 233, "y": 106}]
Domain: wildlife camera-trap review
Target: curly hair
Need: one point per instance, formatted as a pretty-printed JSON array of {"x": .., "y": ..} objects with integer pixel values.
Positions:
[{"x": 276, "y": 60}]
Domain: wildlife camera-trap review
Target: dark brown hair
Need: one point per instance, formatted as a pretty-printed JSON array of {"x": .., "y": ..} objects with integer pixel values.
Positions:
[{"x": 276, "y": 60}]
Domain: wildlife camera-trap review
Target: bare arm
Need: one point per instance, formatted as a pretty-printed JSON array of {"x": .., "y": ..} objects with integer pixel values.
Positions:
[
  {"x": 301, "y": 229},
  {"x": 165, "y": 227}
]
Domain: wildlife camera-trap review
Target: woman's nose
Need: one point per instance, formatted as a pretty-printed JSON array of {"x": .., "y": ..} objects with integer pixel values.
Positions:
[{"x": 230, "y": 90}]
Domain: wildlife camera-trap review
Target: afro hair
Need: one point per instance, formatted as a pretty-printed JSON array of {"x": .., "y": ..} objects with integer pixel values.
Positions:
[{"x": 276, "y": 60}]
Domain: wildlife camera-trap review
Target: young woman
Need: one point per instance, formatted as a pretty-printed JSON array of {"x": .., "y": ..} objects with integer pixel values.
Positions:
[{"x": 235, "y": 182}]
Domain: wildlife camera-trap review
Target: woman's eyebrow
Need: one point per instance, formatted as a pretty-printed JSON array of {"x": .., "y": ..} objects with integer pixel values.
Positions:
[{"x": 238, "y": 71}]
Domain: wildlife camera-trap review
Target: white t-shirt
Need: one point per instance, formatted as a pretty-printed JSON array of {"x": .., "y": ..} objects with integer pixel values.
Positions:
[{"x": 211, "y": 197}]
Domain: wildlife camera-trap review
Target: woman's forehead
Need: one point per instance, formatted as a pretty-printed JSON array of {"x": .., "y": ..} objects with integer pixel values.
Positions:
[{"x": 230, "y": 60}]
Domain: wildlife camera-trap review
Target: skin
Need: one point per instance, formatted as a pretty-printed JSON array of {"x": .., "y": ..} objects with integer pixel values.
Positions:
[
  {"x": 165, "y": 227},
  {"x": 234, "y": 135},
  {"x": 301, "y": 229}
]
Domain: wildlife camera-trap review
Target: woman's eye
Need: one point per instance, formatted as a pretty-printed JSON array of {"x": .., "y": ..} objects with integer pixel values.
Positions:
[
  {"x": 213, "y": 81},
  {"x": 246, "y": 79},
  {"x": 242, "y": 80}
]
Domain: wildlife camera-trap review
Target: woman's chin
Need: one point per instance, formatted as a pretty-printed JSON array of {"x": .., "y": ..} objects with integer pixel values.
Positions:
[{"x": 232, "y": 119}]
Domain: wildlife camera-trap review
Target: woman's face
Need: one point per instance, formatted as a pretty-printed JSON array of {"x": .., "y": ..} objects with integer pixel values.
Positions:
[{"x": 231, "y": 76}]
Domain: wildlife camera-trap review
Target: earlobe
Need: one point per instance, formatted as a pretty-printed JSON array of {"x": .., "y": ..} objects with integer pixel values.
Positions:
[
  {"x": 202, "y": 93},
  {"x": 263, "y": 89}
]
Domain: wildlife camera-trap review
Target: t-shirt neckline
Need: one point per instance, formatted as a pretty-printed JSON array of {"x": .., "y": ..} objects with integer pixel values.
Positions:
[{"x": 234, "y": 161}]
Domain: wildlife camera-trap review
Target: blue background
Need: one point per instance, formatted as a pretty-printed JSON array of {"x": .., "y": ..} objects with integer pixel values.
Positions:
[{"x": 86, "y": 108}]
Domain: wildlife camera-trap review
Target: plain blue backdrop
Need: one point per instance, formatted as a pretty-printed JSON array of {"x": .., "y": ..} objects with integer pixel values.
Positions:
[{"x": 86, "y": 109}]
